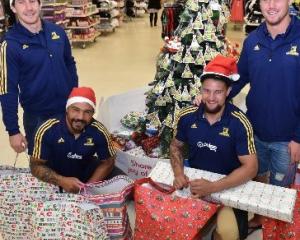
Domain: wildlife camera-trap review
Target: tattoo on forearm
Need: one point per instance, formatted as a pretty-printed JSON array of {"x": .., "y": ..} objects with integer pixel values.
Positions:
[
  {"x": 43, "y": 173},
  {"x": 176, "y": 155}
]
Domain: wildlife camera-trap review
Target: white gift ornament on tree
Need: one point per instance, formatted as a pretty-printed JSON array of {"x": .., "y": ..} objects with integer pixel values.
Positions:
[
  {"x": 195, "y": 45},
  {"x": 193, "y": 90},
  {"x": 185, "y": 96},
  {"x": 177, "y": 57},
  {"x": 188, "y": 58},
  {"x": 198, "y": 24},
  {"x": 177, "y": 94},
  {"x": 197, "y": 82},
  {"x": 200, "y": 38},
  {"x": 200, "y": 59},
  {"x": 168, "y": 121},
  {"x": 167, "y": 97},
  {"x": 192, "y": 5},
  {"x": 204, "y": 14},
  {"x": 166, "y": 62},
  {"x": 160, "y": 101},
  {"x": 170, "y": 81},
  {"x": 159, "y": 88},
  {"x": 187, "y": 73}
]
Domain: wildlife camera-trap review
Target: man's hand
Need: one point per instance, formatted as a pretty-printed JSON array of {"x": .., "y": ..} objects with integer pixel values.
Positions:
[
  {"x": 201, "y": 188},
  {"x": 294, "y": 150},
  {"x": 181, "y": 181},
  {"x": 198, "y": 99},
  {"x": 18, "y": 142},
  {"x": 71, "y": 184}
]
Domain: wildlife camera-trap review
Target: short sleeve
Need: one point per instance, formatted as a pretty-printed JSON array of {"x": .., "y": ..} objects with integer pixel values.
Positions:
[
  {"x": 42, "y": 140},
  {"x": 181, "y": 130},
  {"x": 244, "y": 135},
  {"x": 105, "y": 148}
]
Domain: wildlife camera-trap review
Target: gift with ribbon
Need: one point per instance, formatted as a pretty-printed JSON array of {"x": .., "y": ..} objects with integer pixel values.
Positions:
[{"x": 160, "y": 214}]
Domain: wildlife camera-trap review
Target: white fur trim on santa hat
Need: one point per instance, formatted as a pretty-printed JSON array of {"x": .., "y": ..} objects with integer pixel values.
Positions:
[
  {"x": 80, "y": 100},
  {"x": 234, "y": 77}
]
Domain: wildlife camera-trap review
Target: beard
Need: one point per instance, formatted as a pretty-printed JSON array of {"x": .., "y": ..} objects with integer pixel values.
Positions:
[
  {"x": 214, "y": 110},
  {"x": 78, "y": 125}
]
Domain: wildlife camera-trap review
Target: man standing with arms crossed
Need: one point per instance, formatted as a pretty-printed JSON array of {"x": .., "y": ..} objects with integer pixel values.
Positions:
[{"x": 37, "y": 70}]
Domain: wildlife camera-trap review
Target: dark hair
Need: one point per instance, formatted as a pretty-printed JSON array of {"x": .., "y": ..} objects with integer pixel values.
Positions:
[
  {"x": 224, "y": 79},
  {"x": 13, "y": 2}
]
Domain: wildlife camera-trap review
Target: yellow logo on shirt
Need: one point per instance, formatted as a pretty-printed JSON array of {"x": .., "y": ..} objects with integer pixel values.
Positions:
[
  {"x": 61, "y": 140},
  {"x": 25, "y": 46},
  {"x": 194, "y": 125},
  {"x": 55, "y": 36},
  {"x": 293, "y": 51},
  {"x": 225, "y": 132},
  {"x": 256, "y": 48},
  {"x": 89, "y": 142}
]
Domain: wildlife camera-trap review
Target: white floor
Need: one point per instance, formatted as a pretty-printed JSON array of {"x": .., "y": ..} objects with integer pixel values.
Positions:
[{"x": 116, "y": 63}]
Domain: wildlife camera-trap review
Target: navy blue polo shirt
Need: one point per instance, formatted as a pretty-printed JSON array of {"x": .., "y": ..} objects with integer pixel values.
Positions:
[
  {"x": 216, "y": 147},
  {"x": 68, "y": 156}
]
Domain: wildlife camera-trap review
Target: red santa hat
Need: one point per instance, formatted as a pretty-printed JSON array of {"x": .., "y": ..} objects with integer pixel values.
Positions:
[
  {"x": 224, "y": 67},
  {"x": 82, "y": 95}
]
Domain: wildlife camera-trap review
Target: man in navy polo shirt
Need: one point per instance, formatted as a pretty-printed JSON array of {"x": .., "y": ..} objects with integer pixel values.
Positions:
[
  {"x": 74, "y": 149},
  {"x": 220, "y": 140}
]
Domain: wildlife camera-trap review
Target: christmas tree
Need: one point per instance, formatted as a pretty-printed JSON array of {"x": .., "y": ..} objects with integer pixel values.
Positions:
[{"x": 198, "y": 39}]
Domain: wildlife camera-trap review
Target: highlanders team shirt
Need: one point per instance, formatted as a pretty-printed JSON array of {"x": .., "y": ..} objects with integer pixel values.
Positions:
[
  {"x": 66, "y": 155},
  {"x": 216, "y": 147}
]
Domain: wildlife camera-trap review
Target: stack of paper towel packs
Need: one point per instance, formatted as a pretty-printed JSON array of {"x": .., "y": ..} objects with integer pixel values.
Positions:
[{"x": 264, "y": 199}]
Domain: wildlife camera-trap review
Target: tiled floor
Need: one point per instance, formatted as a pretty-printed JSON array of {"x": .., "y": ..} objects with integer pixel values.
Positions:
[{"x": 116, "y": 63}]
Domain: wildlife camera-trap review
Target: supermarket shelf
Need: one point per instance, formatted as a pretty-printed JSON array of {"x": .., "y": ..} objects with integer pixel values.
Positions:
[
  {"x": 82, "y": 16},
  {"x": 84, "y": 27}
]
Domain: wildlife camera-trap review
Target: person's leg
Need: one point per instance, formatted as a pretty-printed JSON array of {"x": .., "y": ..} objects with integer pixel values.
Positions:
[
  {"x": 155, "y": 19},
  {"x": 282, "y": 170},
  {"x": 151, "y": 19},
  {"x": 30, "y": 123},
  {"x": 227, "y": 225}
]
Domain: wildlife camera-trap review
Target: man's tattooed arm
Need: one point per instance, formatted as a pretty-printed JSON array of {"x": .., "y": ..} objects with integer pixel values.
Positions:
[
  {"x": 41, "y": 171},
  {"x": 176, "y": 156}
]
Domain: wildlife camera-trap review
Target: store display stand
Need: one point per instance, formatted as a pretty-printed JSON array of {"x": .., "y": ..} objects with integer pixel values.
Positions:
[
  {"x": 105, "y": 7},
  {"x": 83, "y": 18}
]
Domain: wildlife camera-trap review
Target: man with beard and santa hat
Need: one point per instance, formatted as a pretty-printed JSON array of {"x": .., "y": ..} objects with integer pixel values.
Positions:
[
  {"x": 74, "y": 149},
  {"x": 220, "y": 140}
]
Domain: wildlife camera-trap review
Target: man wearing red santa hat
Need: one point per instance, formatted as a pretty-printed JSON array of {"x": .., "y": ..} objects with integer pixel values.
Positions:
[
  {"x": 220, "y": 140},
  {"x": 74, "y": 149}
]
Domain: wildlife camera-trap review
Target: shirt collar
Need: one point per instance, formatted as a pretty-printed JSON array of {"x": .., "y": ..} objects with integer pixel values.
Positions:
[
  {"x": 25, "y": 31},
  {"x": 291, "y": 24}
]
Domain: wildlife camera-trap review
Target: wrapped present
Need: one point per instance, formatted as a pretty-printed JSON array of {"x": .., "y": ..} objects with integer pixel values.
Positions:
[
  {"x": 138, "y": 137},
  {"x": 276, "y": 230},
  {"x": 111, "y": 195},
  {"x": 263, "y": 199},
  {"x": 132, "y": 119},
  {"x": 161, "y": 215},
  {"x": 149, "y": 144}
]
